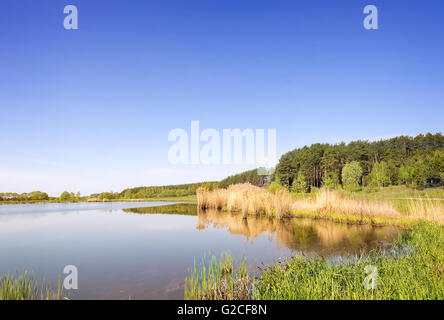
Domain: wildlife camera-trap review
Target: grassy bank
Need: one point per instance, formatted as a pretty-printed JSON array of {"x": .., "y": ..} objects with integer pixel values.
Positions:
[{"x": 413, "y": 268}]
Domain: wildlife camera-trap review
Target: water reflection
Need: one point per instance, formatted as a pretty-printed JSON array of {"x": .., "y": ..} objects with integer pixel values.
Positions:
[
  {"x": 188, "y": 209},
  {"x": 306, "y": 235},
  {"x": 320, "y": 237},
  {"x": 144, "y": 253}
]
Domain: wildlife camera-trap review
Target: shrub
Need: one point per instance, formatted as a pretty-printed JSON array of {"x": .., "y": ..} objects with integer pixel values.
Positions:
[{"x": 351, "y": 175}]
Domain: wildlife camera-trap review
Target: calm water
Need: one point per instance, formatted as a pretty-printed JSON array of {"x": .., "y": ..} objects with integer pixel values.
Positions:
[{"x": 144, "y": 253}]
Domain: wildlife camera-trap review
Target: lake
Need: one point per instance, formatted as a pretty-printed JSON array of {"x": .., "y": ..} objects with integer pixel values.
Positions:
[{"x": 142, "y": 250}]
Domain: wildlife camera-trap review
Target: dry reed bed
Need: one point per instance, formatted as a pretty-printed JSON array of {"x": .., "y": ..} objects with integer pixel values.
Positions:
[
  {"x": 252, "y": 200},
  {"x": 247, "y": 199}
]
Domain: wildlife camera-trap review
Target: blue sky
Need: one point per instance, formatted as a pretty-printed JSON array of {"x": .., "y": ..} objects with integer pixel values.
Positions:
[{"x": 90, "y": 110}]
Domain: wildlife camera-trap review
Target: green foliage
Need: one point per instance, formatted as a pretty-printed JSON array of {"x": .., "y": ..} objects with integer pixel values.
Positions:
[
  {"x": 351, "y": 175},
  {"x": 435, "y": 167},
  {"x": 331, "y": 181},
  {"x": 109, "y": 195},
  {"x": 406, "y": 173},
  {"x": 419, "y": 173},
  {"x": 38, "y": 195},
  {"x": 275, "y": 186},
  {"x": 300, "y": 185},
  {"x": 69, "y": 196},
  {"x": 380, "y": 175},
  {"x": 65, "y": 196},
  {"x": 32, "y": 196}
]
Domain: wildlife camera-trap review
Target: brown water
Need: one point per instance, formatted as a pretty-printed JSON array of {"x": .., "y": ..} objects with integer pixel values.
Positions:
[{"x": 144, "y": 253}]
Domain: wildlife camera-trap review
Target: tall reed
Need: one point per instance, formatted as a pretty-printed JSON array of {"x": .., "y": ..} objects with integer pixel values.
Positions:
[
  {"x": 247, "y": 199},
  {"x": 250, "y": 199},
  {"x": 25, "y": 287},
  {"x": 426, "y": 209},
  {"x": 218, "y": 280},
  {"x": 330, "y": 201}
]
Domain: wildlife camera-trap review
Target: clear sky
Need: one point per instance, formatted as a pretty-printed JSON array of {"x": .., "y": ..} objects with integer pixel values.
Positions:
[{"x": 90, "y": 110}]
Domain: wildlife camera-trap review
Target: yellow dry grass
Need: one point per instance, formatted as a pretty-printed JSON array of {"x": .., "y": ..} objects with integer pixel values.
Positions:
[
  {"x": 247, "y": 199},
  {"x": 330, "y": 201},
  {"x": 426, "y": 209},
  {"x": 252, "y": 200}
]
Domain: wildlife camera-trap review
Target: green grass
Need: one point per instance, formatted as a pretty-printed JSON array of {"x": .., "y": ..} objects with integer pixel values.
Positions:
[
  {"x": 218, "y": 280},
  {"x": 25, "y": 287},
  {"x": 401, "y": 197},
  {"x": 395, "y": 194},
  {"x": 412, "y": 269},
  {"x": 398, "y": 195},
  {"x": 398, "y": 192}
]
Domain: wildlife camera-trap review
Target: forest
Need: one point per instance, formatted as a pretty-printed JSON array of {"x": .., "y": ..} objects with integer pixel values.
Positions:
[{"x": 412, "y": 161}]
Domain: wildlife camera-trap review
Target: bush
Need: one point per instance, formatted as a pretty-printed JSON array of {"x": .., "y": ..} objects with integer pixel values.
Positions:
[
  {"x": 351, "y": 175},
  {"x": 300, "y": 184},
  {"x": 275, "y": 186}
]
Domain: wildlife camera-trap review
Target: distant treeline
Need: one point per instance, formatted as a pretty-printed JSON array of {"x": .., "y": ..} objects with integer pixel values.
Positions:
[
  {"x": 416, "y": 161},
  {"x": 163, "y": 191},
  {"x": 39, "y": 196},
  {"x": 31, "y": 196}
]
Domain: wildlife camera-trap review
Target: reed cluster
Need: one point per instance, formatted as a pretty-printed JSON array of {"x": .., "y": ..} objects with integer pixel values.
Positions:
[
  {"x": 247, "y": 199},
  {"x": 218, "y": 280},
  {"x": 25, "y": 287}
]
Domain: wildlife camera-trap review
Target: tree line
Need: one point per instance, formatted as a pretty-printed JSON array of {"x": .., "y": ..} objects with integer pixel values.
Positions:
[
  {"x": 26, "y": 196},
  {"x": 180, "y": 190},
  {"x": 414, "y": 161}
]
